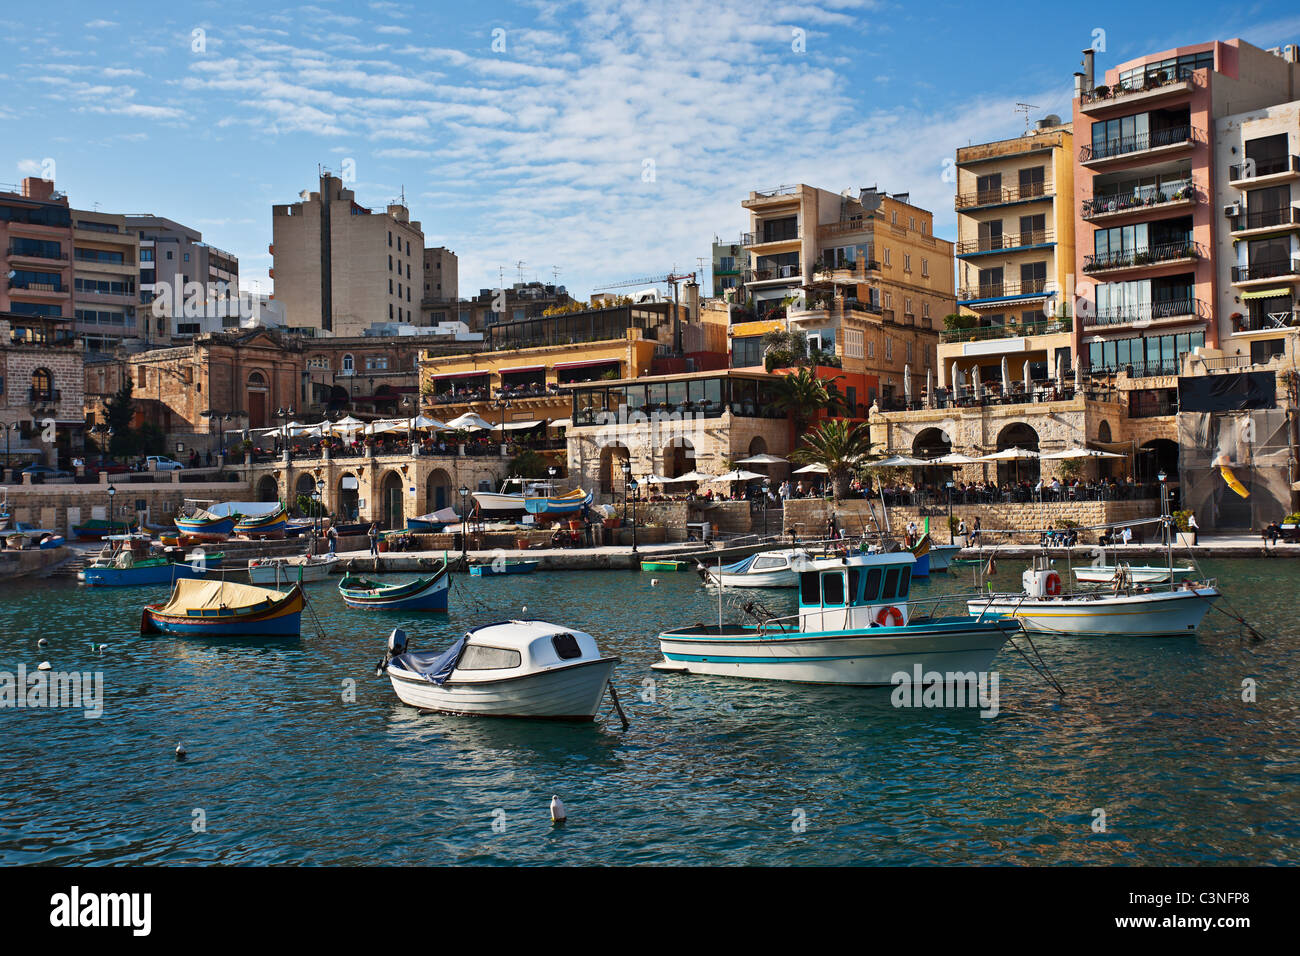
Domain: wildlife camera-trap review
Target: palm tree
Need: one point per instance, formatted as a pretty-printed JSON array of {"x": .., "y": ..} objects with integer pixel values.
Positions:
[
  {"x": 802, "y": 394},
  {"x": 839, "y": 445}
]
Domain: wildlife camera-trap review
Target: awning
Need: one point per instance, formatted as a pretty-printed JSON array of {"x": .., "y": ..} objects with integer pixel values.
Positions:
[
  {"x": 1267, "y": 293},
  {"x": 561, "y": 423},
  {"x": 474, "y": 374},
  {"x": 588, "y": 364},
  {"x": 522, "y": 368},
  {"x": 516, "y": 426}
]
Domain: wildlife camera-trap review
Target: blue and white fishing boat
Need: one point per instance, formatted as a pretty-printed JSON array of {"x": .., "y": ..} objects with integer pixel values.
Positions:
[
  {"x": 941, "y": 556},
  {"x": 767, "y": 569},
  {"x": 129, "y": 560},
  {"x": 854, "y": 626},
  {"x": 433, "y": 522},
  {"x": 422, "y": 594},
  {"x": 503, "y": 566}
]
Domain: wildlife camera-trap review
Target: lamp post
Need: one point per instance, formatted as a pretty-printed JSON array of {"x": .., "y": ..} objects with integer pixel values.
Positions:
[
  {"x": 1165, "y": 536},
  {"x": 627, "y": 479},
  {"x": 320, "y": 505},
  {"x": 767, "y": 490},
  {"x": 464, "y": 526},
  {"x": 631, "y": 483},
  {"x": 503, "y": 404},
  {"x": 948, "y": 485},
  {"x": 111, "y": 492}
]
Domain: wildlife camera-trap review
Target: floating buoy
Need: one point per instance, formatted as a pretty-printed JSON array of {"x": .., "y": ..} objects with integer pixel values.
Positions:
[
  {"x": 524, "y": 609},
  {"x": 654, "y": 582},
  {"x": 43, "y": 666},
  {"x": 558, "y": 814},
  {"x": 42, "y": 642},
  {"x": 180, "y": 751}
]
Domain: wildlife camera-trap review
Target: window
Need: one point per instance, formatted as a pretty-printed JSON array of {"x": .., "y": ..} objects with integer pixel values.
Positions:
[
  {"x": 477, "y": 657},
  {"x": 765, "y": 564},
  {"x": 377, "y": 363},
  {"x": 566, "y": 647},
  {"x": 891, "y": 585},
  {"x": 925, "y": 309},
  {"x": 187, "y": 257},
  {"x": 886, "y": 256},
  {"x": 893, "y": 217},
  {"x": 348, "y": 365},
  {"x": 872, "y": 590},
  {"x": 833, "y": 588},
  {"x": 390, "y": 286},
  {"x": 889, "y": 350},
  {"x": 925, "y": 268},
  {"x": 318, "y": 361},
  {"x": 871, "y": 349},
  {"x": 809, "y": 594},
  {"x": 911, "y": 223},
  {"x": 907, "y": 305},
  {"x": 390, "y": 238},
  {"x": 909, "y": 352},
  {"x": 390, "y": 263},
  {"x": 907, "y": 262},
  {"x": 42, "y": 384}
]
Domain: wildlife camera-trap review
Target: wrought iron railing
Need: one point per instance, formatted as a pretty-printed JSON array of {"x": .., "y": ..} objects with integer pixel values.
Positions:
[
  {"x": 1148, "y": 255},
  {"x": 1138, "y": 142},
  {"x": 1129, "y": 196}
]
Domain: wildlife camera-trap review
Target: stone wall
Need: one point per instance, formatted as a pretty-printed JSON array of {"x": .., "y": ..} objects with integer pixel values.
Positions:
[
  {"x": 807, "y": 516},
  {"x": 61, "y": 506}
]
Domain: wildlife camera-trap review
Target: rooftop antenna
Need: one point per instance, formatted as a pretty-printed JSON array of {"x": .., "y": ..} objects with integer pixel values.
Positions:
[
  {"x": 520, "y": 266},
  {"x": 1025, "y": 108},
  {"x": 555, "y": 275}
]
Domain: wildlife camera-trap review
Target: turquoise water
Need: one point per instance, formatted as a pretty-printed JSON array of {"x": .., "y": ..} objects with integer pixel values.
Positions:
[{"x": 712, "y": 771}]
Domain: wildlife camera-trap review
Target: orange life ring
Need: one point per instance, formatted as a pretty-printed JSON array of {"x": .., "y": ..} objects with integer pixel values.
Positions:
[
  {"x": 1053, "y": 584},
  {"x": 890, "y": 613}
]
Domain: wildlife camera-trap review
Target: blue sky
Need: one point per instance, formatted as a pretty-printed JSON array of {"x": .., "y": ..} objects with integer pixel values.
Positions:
[{"x": 540, "y": 150}]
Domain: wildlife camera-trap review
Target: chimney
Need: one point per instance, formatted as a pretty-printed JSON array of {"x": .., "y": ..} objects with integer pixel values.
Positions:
[
  {"x": 692, "y": 301},
  {"x": 37, "y": 188},
  {"x": 1089, "y": 79},
  {"x": 1078, "y": 85}
]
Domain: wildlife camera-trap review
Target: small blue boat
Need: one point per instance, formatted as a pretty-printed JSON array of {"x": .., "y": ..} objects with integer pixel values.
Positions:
[
  {"x": 422, "y": 594},
  {"x": 567, "y": 504},
  {"x": 432, "y": 523},
  {"x": 503, "y": 566}
]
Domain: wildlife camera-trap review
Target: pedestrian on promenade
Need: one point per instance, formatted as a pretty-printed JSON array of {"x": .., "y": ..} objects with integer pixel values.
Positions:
[
  {"x": 373, "y": 535},
  {"x": 332, "y": 536},
  {"x": 975, "y": 533},
  {"x": 1193, "y": 527}
]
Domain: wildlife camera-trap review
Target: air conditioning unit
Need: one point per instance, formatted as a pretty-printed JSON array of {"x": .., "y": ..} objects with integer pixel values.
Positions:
[{"x": 1232, "y": 210}]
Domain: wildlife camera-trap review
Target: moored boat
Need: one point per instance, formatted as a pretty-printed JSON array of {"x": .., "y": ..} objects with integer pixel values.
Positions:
[
  {"x": 941, "y": 556},
  {"x": 97, "y": 529},
  {"x": 1136, "y": 573},
  {"x": 422, "y": 594},
  {"x": 503, "y": 566},
  {"x": 566, "y": 504},
  {"x": 854, "y": 626},
  {"x": 225, "y": 609},
  {"x": 270, "y": 524},
  {"x": 129, "y": 561},
  {"x": 433, "y": 522},
  {"x": 511, "y": 669},
  {"x": 767, "y": 569},
  {"x": 665, "y": 564},
  {"x": 299, "y": 568},
  {"x": 198, "y": 523}
]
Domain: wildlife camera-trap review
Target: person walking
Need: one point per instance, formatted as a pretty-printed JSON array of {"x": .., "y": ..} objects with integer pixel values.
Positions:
[
  {"x": 975, "y": 533},
  {"x": 1193, "y": 527},
  {"x": 332, "y": 536},
  {"x": 373, "y": 535}
]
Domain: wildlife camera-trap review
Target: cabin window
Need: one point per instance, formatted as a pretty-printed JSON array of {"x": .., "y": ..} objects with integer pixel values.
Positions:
[
  {"x": 764, "y": 564},
  {"x": 566, "y": 646},
  {"x": 905, "y": 583},
  {"x": 855, "y": 579},
  {"x": 480, "y": 658},
  {"x": 833, "y": 589},
  {"x": 808, "y": 590},
  {"x": 872, "y": 590},
  {"x": 891, "y": 585}
]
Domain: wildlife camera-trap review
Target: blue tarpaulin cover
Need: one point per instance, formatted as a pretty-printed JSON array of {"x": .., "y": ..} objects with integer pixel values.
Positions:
[{"x": 435, "y": 670}]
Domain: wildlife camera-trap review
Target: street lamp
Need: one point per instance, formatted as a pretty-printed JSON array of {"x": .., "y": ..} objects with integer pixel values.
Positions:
[
  {"x": 631, "y": 484},
  {"x": 320, "y": 507},
  {"x": 627, "y": 479},
  {"x": 111, "y": 492},
  {"x": 948, "y": 485},
  {"x": 767, "y": 490},
  {"x": 1164, "y": 510},
  {"x": 464, "y": 525}
]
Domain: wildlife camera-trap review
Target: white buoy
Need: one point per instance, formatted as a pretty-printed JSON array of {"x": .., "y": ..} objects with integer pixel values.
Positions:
[
  {"x": 42, "y": 642},
  {"x": 43, "y": 666},
  {"x": 524, "y": 609},
  {"x": 654, "y": 582},
  {"x": 181, "y": 751},
  {"x": 558, "y": 814}
]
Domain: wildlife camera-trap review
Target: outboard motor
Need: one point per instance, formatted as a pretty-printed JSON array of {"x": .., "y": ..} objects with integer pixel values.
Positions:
[
  {"x": 397, "y": 646},
  {"x": 1041, "y": 581}
]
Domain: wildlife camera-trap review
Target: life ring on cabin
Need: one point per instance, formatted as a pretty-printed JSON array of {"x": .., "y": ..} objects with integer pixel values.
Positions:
[
  {"x": 891, "y": 614},
  {"x": 1052, "y": 584}
]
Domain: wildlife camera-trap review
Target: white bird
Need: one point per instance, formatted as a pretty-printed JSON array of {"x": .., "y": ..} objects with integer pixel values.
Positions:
[
  {"x": 524, "y": 609},
  {"x": 42, "y": 642},
  {"x": 43, "y": 666},
  {"x": 97, "y": 648},
  {"x": 180, "y": 751},
  {"x": 558, "y": 814},
  {"x": 654, "y": 582}
]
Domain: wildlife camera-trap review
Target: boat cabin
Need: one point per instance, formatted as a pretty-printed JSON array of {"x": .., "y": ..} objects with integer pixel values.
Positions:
[
  {"x": 500, "y": 651},
  {"x": 861, "y": 591}
]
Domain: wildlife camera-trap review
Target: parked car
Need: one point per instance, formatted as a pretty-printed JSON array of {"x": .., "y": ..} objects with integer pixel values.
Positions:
[
  {"x": 161, "y": 463},
  {"x": 42, "y": 472},
  {"x": 97, "y": 466}
]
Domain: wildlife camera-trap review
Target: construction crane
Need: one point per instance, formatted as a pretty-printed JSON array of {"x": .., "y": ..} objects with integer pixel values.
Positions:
[{"x": 672, "y": 278}]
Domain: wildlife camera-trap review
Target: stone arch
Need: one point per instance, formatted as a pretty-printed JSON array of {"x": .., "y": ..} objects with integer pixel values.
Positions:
[
  {"x": 1018, "y": 435},
  {"x": 757, "y": 445},
  {"x": 679, "y": 457},
  {"x": 392, "y": 511},
  {"x": 257, "y": 399},
  {"x": 1103, "y": 432},
  {"x": 268, "y": 489},
  {"x": 1156, "y": 455},
  {"x": 610, "y": 476},
  {"x": 437, "y": 490},
  {"x": 931, "y": 443},
  {"x": 347, "y": 496}
]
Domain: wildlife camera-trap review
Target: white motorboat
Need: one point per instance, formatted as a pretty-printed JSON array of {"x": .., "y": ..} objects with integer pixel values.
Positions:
[
  {"x": 766, "y": 569},
  {"x": 299, "y": 568},
  {"x": 510, "y": 497},
  {"x": 1135, "y": 573},
  {"x": 854, "y": 626},
  {"x": 511, "y": 669},
  {"x": 941, "y": 556},
  {"x": 1123, "y": 610}
]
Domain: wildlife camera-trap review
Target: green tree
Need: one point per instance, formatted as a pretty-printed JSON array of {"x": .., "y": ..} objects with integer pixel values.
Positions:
[
  {"x": 528, "y": 464},
  {"x": 118, "y": 413},
  {"x": 802, "y": 394},
  {"x": 783, "y": 349},
  {"x": 839, "y": 445}
]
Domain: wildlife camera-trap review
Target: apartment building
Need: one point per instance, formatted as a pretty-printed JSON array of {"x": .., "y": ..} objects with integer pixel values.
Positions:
[
  {"x": 36, "y": 245},
  {"x": 187, "y": 287},
  {"x": 339, "y": 267},
  {"x": 440, "y": 301},
  {"x": 862, "y": 276},
  {"x": 1149, "y": 226},
  {"x": 515, "y": 303},
  {"x": 106, "y": 274},
  {"x": 1015, "y": 253},
  {"x": 729, "y": 260}
]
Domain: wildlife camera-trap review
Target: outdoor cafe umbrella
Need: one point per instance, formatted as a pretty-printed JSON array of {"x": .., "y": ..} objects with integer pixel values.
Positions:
[
  {"x": 1080, "y": 453},
  {"x": 763, "y": 459},
  {"x": 737, "y": 475},
  {"x": 1012, "y": 454},
  {"x": 1060, "y": 370},
  {"x": 899, "y": 461},
  {"x": 689, "y": 476},
  {"x": 975, "y": 382},
  {"x": 469, "y": 422},
  {"x": 1006, "y": 376},
  {"x": 954, "y": 458},
  {"x": 422, "y": 422},
  {"x": 1029, "y": 381},
  {"x": 1078, "y": 376},
  {"x": 814, "y": 469},
  {"x": 907, "y": 384},
  {"x": 929, "y": 388}
]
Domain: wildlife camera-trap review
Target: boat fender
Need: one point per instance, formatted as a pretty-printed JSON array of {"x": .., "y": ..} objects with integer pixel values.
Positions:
[
  {"x": 397, "y": 642},
  {"x": 1053, "y": 584},
  {"x": 891, "y": 614}
]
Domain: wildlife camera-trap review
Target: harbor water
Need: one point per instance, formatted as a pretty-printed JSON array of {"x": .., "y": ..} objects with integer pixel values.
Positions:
[{"x": 299, "y": 754}]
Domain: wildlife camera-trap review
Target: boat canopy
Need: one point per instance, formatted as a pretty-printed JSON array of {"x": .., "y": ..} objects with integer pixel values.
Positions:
[
  {"x": 194, "y": 594},
  {"x": 862, "y": 580},
  {"x": 438, "y": 669}
]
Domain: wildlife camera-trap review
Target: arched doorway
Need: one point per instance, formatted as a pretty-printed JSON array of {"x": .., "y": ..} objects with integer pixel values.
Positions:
[
  {"x": 304, "y": 488},
  {"x": 611, "y": 468},
  {"x": 757, "y": 446},
  {"x": 679, "y": 457},
  {"x": 1155, "y": 456},
  {"x": 1018, "y": 435},
  {"x": 268, "y": 489},
  {"x": 1103, "y": 432},
  {"x": 933, "y": 443},
  {"x": 437, "y": 489},
  {"x": 390, "y": 490},
  {"x": 257, "y": 400},
  {"x": 347, "y": 497}
]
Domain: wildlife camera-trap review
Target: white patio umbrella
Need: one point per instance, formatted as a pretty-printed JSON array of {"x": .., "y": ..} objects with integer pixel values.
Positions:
[
  {"x": 469, "y": 422},
  {"x": 689, "y": 476},
  {"x": 385, "y": 425},
  {"x": 814, "y": 469},
  {"x": 1010, "y": 454},
  {"x": 1060, "y": 370},
  {"x": 1006, "y": 376},
  {"x": 955, "y": 458},
  {"x": 1080, "y": 453},
  {"x": 929, "y": 388},
  {"x": 907, "y": 384},
  {"x": 424, "y": 422},
  {"x": 763, "y": 459},
  {"x": 1029, "y": 380},
  {"x": 898, "y": 461},
  {"x": 1078, "y": 376},
  {"x": 737, "y": 474},
  {"x": 655, "y": 480},
  {"x": 975, "y": 381}
]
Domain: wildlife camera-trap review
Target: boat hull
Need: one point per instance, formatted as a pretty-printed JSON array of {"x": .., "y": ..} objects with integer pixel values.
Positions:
[
  {"x": 493, "y": 503},
  {"x": 1105, "y": 574},
  {"x": 432, "y": 596},
  {"x": 941, "y": 556},
  {"x": 510, "y": 567},
  {"x": 571, "y": 692},
  {"x": 282, "y": 572},
  {"x": 137, "y": 576},
  {"x": 1160, "y": 614},
  {"x": 280, "y": 619},
  {"x": 98, "y": 530},
  {"x": 868, "y": 658},
  {"x": 205, "y": 530}
]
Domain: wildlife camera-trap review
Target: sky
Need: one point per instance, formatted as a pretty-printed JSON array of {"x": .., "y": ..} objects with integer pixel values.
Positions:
[{"x": 593, "y": 142}]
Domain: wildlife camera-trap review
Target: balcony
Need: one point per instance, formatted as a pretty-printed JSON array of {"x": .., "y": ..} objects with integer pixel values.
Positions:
[
  {"x": 1285, "y": 269},
  {"x": 1248, "y": 324},
  {"x": 986, "y": 333},
  {"x": 1160, "y": 141},
  {"x": 1161, "y": 254},
  {"x": 1161, "y": 86},
  {"x": 1264, "y": 172},
  {"x": 1140, "y": 316},
  {"x": 42, "y": 398},
  {"x": 830, "y": 230},
  {"x": 1127, "y": 198},
  {"x": 999, "y": 291},
  {"x": 1006, "y": 243},
  {"x": 775, "y": 273},
  {"x": 1262, "y": 221},
  {"x": 861, "y": 270},
  {"x": 16, "y": 253},
  {"x": 1006, "y": 195},
  {"x": 24, "y": 285},
  {"x": 751, "y": 240}
]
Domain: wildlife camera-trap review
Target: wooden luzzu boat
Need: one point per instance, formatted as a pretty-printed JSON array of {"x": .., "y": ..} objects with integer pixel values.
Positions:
[
  {"x": 225, "y": 609},
  {"x": 422, "y": 594},
  {"x": 269, "y": 525}
]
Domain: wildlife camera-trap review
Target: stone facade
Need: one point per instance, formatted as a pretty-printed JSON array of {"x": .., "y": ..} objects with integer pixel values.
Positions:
[
  {"x": 62, "y": 506},
  {"x": 43, "y": 380}
]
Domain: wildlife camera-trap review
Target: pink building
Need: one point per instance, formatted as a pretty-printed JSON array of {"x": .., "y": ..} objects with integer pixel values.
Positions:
[
  {"x": 1148, "y": 220},
  {"x": 35, "y": 250}
]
